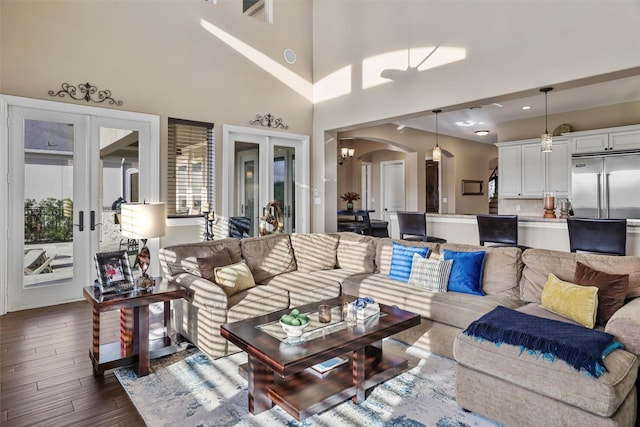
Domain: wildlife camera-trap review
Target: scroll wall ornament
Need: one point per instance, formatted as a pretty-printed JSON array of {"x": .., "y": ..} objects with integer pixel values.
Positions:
[
  {"x": 85, "y": 91},
  {"x": 268, "y": 120}
]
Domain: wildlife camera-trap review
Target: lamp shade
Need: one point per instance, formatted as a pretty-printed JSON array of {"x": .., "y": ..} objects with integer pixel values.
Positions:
[{"x": 143, "y": 220}]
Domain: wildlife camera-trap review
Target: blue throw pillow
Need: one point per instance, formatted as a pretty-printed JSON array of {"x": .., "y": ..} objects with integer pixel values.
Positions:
[
  {"x": 466, "y": 274},
  {"x": 402, "y": 258}
]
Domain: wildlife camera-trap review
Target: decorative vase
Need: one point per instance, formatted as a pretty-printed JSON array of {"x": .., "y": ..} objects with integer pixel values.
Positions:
[{"x": 349, "y": 206}]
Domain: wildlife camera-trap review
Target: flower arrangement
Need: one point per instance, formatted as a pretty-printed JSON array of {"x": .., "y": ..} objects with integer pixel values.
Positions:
[{"x": 350, "y": 196}]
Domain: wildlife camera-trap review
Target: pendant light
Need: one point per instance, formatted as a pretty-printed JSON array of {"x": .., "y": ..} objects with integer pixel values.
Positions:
[
  {"x": 546, "y": 142},
  {"x": 437, "y": 153}
]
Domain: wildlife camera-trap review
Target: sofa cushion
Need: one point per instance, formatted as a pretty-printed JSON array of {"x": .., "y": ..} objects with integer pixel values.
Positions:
[
  {"x": 534, "y": 309},
  {"x": 575, "y": 302},
  {"x": 234, "y": 278},
  {"x": 356, "y": 252},
  {"x": 430, "y": 274},
  {"x": 182, "y": 258},
  {"x": 207, "y": 265},
  {"x": 268, "y": 256},
  {"x": 466, "y": 274},
  {"x": 315, "y": 251},
  {"x": 538, "y": 263},
  {"x": 256, "y": 301},
  {"x": 384, "y": 252},
  {"x": 451, "y": 308},
  {"x": 502, "y": 267},
  {"x": 402, "y": 259},
  {"x": 555, "y": 379},
  {"x": 305, "y": 288},
  {"x": 612, "y": 289}
]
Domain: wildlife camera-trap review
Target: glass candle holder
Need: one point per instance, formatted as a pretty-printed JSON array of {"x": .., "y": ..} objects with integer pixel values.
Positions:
[
  {"x": 324, "y": 313},
  {"x": 549, "y": 200}
]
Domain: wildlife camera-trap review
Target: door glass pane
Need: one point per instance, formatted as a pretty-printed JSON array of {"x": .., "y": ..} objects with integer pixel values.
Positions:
[
  {"x": 248, "y": 179},
  {"x": 119, "y": 175},
  {"x": 284, "y": 184},
  {"x": 48, "y": 202}
]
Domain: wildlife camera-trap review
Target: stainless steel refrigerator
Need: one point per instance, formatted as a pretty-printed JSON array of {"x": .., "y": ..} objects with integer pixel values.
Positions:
[{"x": 606, "y": 186}]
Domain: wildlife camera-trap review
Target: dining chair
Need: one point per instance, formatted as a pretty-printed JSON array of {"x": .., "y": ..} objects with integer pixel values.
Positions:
[
  {"x": 239, "y": 227},
  {"x": 500, "y": 229},
  {"x": 360, "y": 224},
  {"x": 603, "y": 236},
  {"x": 413, "y": 226}
]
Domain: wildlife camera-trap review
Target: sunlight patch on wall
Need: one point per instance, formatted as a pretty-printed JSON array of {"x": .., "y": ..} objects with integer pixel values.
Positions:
[
  {"x": 404, "y": 64},
  {"x": 303, "y": 87},
  {"x": 334, "y": 85}
]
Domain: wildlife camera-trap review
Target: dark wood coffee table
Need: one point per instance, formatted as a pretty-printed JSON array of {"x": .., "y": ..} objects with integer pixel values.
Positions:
[{"x": 279, "y": 371}]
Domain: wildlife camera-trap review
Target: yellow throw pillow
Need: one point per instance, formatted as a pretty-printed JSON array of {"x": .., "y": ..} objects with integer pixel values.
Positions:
[
  {"x": 575, "y": 302},
  {"x": 234, "y": 278}
]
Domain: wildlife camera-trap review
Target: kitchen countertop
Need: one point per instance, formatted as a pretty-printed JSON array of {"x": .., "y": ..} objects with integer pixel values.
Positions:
[{"x": 630, "y": 222}]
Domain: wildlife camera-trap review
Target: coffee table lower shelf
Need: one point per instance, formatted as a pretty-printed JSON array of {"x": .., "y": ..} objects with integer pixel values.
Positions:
[{"x": 309, "y": 392}]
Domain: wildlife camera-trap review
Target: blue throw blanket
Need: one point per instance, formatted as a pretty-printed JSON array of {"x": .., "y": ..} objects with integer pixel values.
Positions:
[{"x": 580, "y": 347}]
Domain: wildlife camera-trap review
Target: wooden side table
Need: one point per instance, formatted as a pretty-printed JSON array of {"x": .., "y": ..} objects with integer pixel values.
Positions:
[{"x": 135, "y": 345}]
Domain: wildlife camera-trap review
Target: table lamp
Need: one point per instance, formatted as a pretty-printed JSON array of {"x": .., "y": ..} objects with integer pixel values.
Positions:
[{"x": 143, "y": 221}]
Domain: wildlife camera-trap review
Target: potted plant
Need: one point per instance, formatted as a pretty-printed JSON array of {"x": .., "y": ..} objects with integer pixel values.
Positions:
[{"x": 349, "y": 197}]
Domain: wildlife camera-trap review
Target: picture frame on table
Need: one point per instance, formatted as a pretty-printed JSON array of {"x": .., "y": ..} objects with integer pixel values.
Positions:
[{"x": 114, "y": 271}]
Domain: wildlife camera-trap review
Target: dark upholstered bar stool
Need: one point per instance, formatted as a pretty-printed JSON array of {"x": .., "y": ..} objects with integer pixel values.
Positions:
[
  {"x": 603, "y": 236},
  {"x": 413, "y": 226},
  {"x": 501, "y": 229}
]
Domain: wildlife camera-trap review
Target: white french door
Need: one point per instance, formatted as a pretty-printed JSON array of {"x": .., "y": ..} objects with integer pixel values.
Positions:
[
  {"x": 50, "y": 206},
  {"x": 65, "y": 166},
  {"x": 262, "y": 166}
]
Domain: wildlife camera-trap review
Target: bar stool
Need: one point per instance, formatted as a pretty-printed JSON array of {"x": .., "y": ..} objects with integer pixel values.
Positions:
[
  {"x": 603, "y": 236},
  {"x": 501, "y": 229},
  {"x": 413, "y": 226}
]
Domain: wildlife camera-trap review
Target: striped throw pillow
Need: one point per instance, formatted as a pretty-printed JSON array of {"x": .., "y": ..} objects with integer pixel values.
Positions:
[{"x": 431, "y": 274}]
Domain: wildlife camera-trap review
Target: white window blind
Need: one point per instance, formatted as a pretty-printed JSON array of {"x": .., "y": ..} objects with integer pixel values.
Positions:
[{"x": 190, "y": 175}]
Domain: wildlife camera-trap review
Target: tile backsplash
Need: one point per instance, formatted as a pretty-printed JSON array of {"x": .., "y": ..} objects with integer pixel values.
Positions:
[{"x": 522, "y": 207}]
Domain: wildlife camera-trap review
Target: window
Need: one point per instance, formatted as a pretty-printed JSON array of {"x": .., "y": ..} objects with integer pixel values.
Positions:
[{"x": 190, "y": 168}]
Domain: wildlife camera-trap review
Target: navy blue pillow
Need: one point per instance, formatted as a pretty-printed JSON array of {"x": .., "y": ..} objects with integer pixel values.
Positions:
[
  {"x": 466, "y": 274},
  {"x": 402, "y": 259}
]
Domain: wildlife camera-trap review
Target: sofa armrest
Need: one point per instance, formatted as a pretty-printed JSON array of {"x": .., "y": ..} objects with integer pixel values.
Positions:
[
  {"x": 625, "y": 326},
  {"x": 202, "y": 292}
]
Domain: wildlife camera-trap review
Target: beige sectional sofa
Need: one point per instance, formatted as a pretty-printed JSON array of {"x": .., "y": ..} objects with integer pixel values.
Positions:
[{"x": 296, "y": 269}]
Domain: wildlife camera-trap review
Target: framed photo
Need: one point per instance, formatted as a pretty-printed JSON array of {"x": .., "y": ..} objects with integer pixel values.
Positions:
[{"x": 114, "y": 271}]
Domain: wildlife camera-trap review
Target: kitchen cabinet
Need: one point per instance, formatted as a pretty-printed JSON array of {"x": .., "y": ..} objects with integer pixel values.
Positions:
[
  {"x": 526, "y": 172},
  {"x": 558, "y": 169},
  {"x": 622, "y": 138}
]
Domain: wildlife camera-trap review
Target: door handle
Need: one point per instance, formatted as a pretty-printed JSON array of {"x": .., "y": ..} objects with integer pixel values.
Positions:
[
  {"x": 80, "y": 223},
  {"x": 92, "y": 220},
  {"x": 606, "y": 193},
  {"x": 599, "y": 194}
]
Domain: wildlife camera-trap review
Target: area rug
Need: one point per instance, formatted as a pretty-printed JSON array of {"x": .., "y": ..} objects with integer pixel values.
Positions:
[{"x": 189, "y": 389}]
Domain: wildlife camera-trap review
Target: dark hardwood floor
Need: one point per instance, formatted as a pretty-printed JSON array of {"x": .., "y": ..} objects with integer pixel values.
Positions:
[{"x": 46, "y": 377}]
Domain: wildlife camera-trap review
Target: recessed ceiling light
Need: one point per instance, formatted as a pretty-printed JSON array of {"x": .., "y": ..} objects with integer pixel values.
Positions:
[
  {"x": 466, "y": 123},
  {"x": 527, "y": 107},
  {"x": 482, "y": 132},
  {"x": 498, "y": 105},
  {"x": 400, "y": 127}
]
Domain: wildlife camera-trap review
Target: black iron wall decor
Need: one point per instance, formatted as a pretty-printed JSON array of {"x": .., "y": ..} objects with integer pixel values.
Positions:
[
  {"x": 268, "y": 120},
  {"x": 86, "y": 92}
]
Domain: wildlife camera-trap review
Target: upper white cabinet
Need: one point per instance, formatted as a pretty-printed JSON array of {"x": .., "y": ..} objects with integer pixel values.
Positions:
[
  {"x": 557, "y": 168},
  {"x": 526, "y": 172},
  {"x": 605, "y": 140}
]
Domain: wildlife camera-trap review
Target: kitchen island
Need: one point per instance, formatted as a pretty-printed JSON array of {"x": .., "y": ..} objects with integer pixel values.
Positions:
[{"x": 535, "y": 232}]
